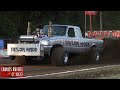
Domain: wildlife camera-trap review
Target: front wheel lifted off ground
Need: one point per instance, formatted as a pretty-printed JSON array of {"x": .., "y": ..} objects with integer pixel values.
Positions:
[{"x": 59, "y": 57}]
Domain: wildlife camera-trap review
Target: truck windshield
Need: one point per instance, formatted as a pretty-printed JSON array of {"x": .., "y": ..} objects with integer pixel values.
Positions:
[{"x": 56, "y": 30}]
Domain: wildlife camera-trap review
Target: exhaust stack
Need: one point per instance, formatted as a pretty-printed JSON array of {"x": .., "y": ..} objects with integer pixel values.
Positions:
[
  {"x": 29, "y": 29},
  {"x": 50, "y": 29}
]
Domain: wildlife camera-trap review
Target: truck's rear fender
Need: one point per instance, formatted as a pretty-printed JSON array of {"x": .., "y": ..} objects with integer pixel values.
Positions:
[
  {"x": 99, "y": 49},
  {"x": 92, "y": 46},
  {"x": 54, "y": 46}
]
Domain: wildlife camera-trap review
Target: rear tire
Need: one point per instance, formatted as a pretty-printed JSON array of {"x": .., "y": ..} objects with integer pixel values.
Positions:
[
  {"x": 59, "y": 57},
  {"x": 95, "y": 57}
]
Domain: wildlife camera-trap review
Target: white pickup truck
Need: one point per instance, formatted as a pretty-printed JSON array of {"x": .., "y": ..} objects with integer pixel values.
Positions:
[{"x": 65, "y": 40}]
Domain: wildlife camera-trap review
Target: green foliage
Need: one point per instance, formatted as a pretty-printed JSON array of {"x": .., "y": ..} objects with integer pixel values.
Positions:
[
  {"x": 14, "y": 23},
  {"x": 7, "y": 28}
]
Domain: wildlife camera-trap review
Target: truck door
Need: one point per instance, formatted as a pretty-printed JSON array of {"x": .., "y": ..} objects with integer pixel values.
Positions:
[
  {"x": 83, "y": 42},
  {"x": 72, "y": 41},
  {"x": 84, "y": 45}
]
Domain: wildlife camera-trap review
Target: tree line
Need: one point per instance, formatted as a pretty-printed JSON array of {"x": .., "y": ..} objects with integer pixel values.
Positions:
[{"x": 14, "y": 23}]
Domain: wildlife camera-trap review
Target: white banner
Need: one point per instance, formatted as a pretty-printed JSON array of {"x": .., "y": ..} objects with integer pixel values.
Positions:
[{"x": 23, "y": 49}]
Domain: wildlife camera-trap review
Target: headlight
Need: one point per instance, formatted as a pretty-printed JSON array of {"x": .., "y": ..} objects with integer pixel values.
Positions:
[{"x": 44, "y": 42}]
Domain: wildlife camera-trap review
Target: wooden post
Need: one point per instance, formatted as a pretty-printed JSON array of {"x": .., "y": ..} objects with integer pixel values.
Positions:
[
  {"x": 29, "y": 29},
  {"x": 50, "y": 29},
  {"x": 90, "y": 23},
  {"x": 85, "y": 26},
  {"x": 100, "y": 20}
]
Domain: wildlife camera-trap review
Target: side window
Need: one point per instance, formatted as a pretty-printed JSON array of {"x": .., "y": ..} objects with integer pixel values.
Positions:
[
  {"x": 71, "y": 32},
  {"x": 79, "y": 33}
]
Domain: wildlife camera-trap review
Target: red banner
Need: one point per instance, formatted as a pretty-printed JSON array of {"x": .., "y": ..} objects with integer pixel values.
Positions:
[
  {"x": 90, "y": 12},
  {"x": 11, "y": 71},
  {"x": 95, "y": 34}
]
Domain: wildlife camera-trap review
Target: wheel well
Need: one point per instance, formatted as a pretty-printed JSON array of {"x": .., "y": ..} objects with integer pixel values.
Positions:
[
  {"x": 55, "y": 46},
  {"x": 92, "y": 47}
]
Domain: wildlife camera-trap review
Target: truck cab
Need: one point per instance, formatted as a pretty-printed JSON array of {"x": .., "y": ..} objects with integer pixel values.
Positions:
[{"x": 69, "y": 37}]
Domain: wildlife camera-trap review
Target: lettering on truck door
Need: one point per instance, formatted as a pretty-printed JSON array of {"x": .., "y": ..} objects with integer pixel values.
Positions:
[
  {"x": 84, "y": 44},
  {"x": 76, "y": 42},
  {"x": 72, "y": 40}
]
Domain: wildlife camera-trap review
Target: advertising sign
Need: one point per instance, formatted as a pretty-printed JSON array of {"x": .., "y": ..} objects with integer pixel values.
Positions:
[
  {"x": 11, "y": 71},
  {"x": 23, "y": 49}
]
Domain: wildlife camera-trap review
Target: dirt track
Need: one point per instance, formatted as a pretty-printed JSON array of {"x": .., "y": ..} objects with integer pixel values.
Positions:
[
  {"x": 88, "y": 71},
  {"x": 111, "y": 56}
]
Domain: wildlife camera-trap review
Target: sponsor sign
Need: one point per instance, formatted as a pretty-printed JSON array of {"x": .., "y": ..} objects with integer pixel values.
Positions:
[
  {"x": 23, "y": 49},
  {"x": 90, "y": 12},
  {"x": 114, "y": 33},
  {"x": 11, "y": 71}
]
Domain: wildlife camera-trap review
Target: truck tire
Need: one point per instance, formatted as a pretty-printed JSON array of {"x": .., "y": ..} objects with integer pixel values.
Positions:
[
  {"x": 59, "y": 57},
  {"x": 95, "y": 56}
]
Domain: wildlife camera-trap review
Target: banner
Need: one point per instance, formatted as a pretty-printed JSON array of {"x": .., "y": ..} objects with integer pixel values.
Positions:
[
  {"x": 111, "y": 33},
  {"x": 90, "y": 12},
  {"x": 24, "y": 49},
  {"x": 11, "y": 71}
]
